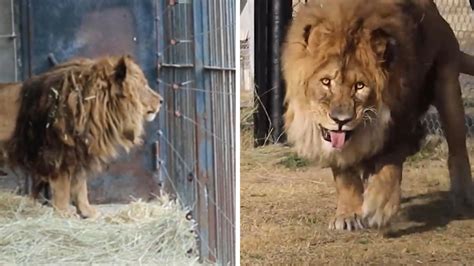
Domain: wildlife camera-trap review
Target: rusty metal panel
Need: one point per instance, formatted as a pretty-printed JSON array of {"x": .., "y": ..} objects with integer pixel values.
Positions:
[
  {"x": 8, "y": 42},
  {"x": 61, "y": 30},
  {"x": 175, "y": 61},
  {"x": 220, "y": 74},
  {"x": 196, "y": 58}
]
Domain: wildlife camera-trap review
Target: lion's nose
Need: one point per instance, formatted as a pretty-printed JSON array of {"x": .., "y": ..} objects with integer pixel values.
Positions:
[
  {"x": 341, "y": 117},
  {"x": 161, "y": 101}
]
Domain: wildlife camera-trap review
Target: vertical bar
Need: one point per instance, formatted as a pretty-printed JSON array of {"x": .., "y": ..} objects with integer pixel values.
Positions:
[
  {"x": 281, "y": 15},
  {"x": 159, "y": 21},
  {"x": 25, "y": 14},
  {"x": 221, "y": 173},
  {"x": 204, "y": 146},
  {"x": 262, "y": 121},
  {"x": 166, "y": 155},
  {"x": 271, "y": 18},
  {"x": 232, "y": 93},
  {"x": 276, "y": 85},
  {"x": 224, "y": 132},
  {"x": 230, "y": 132},
  {"x": 14, "y": 39}
]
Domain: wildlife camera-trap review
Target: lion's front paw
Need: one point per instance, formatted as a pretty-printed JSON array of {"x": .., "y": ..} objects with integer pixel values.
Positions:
[
  {"x": 381, "y": 202},
  {"x": 66, "y": 212},
  {"x": 88, "y": 212},
  {"x": 347, "y": 221}
]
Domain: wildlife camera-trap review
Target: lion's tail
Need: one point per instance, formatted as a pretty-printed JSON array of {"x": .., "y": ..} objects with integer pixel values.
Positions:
[{"x": 467, "y": 64}]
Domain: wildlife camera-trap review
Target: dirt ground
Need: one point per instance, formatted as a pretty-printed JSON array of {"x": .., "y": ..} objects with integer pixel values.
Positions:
[{"x": 286, "y": 204}]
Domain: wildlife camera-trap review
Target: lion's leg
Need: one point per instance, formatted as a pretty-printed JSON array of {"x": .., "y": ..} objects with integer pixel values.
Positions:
[
  {"x": 60, "y": 187},
  {"x": 349, "y": 200},
  {"x": 38, "y": 187},
  {"x": 382, "y": 196},
  {"x": 80, "y": 198},
  {"x": 448, "y": 101}
]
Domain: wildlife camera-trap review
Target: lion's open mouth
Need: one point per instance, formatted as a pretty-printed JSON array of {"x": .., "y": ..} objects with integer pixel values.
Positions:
[
  {"x": 151, "y": 115},
  {"x": 337, "y": 138}
]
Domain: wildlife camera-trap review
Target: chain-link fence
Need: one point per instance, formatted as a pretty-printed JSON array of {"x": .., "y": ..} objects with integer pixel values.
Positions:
[{"x": 460, "y": 16}]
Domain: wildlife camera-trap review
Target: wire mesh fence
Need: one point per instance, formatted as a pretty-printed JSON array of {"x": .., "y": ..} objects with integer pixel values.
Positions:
[
  {"x": 460, "y": 16},
  {"x": 196, "y": 62}
]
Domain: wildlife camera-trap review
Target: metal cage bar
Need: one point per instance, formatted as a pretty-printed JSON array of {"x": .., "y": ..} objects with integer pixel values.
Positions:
[{"x": 197, "y": 77}]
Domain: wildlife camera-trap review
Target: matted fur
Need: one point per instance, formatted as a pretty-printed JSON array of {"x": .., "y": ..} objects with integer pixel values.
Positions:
[{"x": 77, "y": 116}]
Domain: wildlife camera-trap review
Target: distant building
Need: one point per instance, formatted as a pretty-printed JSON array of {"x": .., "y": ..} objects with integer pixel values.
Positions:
[{"x": 247, "y": 44}]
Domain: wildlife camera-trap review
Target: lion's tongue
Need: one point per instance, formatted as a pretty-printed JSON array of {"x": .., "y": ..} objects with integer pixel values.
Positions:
[{"x": 337, "y": 139}]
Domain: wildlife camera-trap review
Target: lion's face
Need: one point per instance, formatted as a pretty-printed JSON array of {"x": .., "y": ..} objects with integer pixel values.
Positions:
[
  {"x": 150, "y": 100},
  {"x": 342, "y": 101},
  {"x": 337, "y": 76}
]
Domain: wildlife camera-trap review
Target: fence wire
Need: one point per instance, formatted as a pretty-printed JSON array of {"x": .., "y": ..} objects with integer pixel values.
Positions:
[{"x": 196, "y": 60}]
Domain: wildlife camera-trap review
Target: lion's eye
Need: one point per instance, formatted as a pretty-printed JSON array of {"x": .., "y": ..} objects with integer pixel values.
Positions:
[
  {"x": 326, "y": 81},
  {"x": 359, "y": 85}
]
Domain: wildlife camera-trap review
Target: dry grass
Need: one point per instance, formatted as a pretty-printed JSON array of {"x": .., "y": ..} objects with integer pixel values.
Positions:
[
  {"x": 247, "y": 110},
  {"x": 155, "y": 233},
  {"x": 285, "y": 212}
]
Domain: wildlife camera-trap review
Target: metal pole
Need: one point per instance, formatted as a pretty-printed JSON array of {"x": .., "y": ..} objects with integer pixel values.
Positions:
[
  {"x": 261, "y": 116},
  {"x": 14, "y": 39},
  {"x": 281, "y": 16},
  {"x": 277, "y": 103}
]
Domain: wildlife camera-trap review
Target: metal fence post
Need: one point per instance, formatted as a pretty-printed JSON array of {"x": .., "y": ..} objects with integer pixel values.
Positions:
[
  {"x": 204, "y": 146},
  {"x": 271, "y": 18}
]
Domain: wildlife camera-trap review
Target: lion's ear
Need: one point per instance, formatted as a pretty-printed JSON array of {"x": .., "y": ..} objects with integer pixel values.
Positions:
[
  {"x": 121, "y": 69},
  {"x": 384, "y": 46}
]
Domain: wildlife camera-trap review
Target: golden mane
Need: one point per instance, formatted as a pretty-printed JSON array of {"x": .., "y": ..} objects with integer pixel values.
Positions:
[
  {"x": 360, "y": 75},
  {"x": 353, "y": 31}
]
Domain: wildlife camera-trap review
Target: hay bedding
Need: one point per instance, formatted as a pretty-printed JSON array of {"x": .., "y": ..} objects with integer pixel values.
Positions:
[{"x": 154, "y": 233}]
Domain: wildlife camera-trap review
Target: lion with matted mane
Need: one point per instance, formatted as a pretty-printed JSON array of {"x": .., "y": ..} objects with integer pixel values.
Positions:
[
  {"x": 74, "y": 119},
  {"x": 360, "y": 75}
]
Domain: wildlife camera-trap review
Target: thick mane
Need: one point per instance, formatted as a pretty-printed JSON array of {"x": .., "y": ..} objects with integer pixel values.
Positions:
[
  {"x": 75, "y": 118},
  {"x": 360, "y": 75},
  {"x": 352, "y": 30},
  {"x": 379, "y": 37}
]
